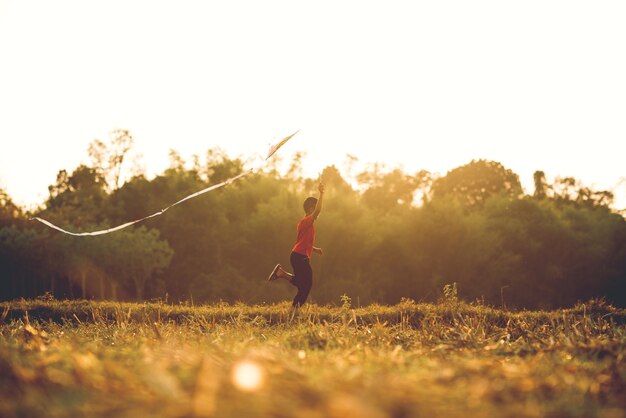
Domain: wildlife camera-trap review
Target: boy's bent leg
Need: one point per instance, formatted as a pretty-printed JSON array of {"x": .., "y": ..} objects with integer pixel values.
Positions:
[
  {"x": 274, "y": 274},
  {"x": 284, "y": 274}
]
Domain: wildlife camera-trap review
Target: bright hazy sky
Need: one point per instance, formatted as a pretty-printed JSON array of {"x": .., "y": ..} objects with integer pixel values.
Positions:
[{"x": 417, "y": 84}]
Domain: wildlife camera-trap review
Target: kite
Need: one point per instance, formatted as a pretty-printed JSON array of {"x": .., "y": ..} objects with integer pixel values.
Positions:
[
  {"x": 271, "y": 152},
  {"x": 282, "y": 142}
]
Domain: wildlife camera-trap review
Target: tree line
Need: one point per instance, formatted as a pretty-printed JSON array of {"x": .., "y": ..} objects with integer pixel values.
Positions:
[{"x": 397, "y": 235}]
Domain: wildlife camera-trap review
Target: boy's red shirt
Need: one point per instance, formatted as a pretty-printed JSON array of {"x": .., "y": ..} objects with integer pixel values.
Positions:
[{"x": 306, "y": 236}]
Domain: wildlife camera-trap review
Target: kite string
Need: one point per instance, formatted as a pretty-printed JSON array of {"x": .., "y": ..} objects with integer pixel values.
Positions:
[
  {"x": 271, "y": 152},
  {"x": 127, "y": 224}
]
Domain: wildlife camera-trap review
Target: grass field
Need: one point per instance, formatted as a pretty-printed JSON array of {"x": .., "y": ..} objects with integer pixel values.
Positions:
[{"x": 60, "y": 359}]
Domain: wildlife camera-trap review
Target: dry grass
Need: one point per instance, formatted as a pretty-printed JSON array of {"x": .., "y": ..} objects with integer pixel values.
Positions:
[{"x": 61, "y": 359}]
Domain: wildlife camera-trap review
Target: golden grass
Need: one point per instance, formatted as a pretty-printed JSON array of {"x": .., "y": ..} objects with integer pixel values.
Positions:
[{"x": 61, "y": 359}]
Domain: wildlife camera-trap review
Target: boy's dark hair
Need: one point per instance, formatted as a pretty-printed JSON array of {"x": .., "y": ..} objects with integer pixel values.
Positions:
[{"x": 309, "y": 204}]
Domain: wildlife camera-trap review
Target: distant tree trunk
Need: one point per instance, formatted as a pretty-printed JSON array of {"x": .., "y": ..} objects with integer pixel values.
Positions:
[
  {"x": 114, "y": 290},
  {"x": 83, "y": 283},
  {"x": 101, "y": 287},
  {"x": 22, "y": 284},
  {"x": 139, "y": 289},
  {"x": 52, "y": 284},
  {"x": 38, "y": 285}
]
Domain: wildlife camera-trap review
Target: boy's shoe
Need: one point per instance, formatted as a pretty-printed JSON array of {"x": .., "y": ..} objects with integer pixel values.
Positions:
[{"x": 274, "y": 275}]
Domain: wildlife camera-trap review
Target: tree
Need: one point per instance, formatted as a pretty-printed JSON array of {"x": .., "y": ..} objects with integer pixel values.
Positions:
[
  {"x": 78, "y": 199},
  {"x": 569, "y": 190},
  {"x": 335, "y": 181},
  {"x": 108, "y": 159},
  {"x": 9, "y": 211},
  {"x": 219, "y": 167},
  {"x": 473, "y": 183},
  {"x": 21, "y": 251},
  {"x": 561, "y": 245},
  {"x": 541, "y": 186},
  {"x": 389, "y": 190},
  {"x": 136, "y": 258}
]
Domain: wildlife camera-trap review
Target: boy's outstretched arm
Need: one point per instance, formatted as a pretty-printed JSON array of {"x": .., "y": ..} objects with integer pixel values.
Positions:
[{"x": 320, "y": 202}]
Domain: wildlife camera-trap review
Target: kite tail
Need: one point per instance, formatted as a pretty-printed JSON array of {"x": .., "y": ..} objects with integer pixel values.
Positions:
[{"x": 271, "y": 152}]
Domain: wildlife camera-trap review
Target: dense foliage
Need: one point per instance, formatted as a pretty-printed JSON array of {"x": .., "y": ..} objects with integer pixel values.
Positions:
[{"x": 397, "y": 235}]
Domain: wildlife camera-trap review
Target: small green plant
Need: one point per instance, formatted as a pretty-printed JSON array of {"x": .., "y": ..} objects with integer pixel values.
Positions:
[
  {"x": 346, "y": 301},
  {"x": 46, "y": 297},
  {"x": 450, "y": 293}
]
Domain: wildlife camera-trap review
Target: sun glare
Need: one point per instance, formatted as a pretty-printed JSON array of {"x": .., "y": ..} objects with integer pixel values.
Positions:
[{"x": 247, "y": 376}]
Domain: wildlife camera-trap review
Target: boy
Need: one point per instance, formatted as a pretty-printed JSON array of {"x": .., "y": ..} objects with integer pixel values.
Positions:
[{"x": 302, "y": 276}]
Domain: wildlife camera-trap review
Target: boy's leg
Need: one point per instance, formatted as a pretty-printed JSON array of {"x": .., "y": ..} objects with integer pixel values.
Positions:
[
  {"x": 303, "y": 279},
  {"x": 303, "y": 293}
]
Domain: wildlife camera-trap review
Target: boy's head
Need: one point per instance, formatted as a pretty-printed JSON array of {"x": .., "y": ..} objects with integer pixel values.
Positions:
[{"x": 309, "y": 205}]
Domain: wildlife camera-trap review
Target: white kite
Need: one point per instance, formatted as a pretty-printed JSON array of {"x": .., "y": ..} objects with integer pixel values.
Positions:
[
  {"x": 271, "y": 152},
  {"x": 282, "y": 142}
]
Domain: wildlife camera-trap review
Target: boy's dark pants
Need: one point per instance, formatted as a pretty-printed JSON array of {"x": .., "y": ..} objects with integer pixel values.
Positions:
[{"x": 303, "y": 277}]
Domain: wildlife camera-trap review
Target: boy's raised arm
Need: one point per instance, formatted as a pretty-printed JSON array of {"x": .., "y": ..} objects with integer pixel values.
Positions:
[{"x": 318, "y": 206}]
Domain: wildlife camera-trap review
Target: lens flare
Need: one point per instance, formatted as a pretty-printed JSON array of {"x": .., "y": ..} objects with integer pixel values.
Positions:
[{"x": 247, "y": 376}]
